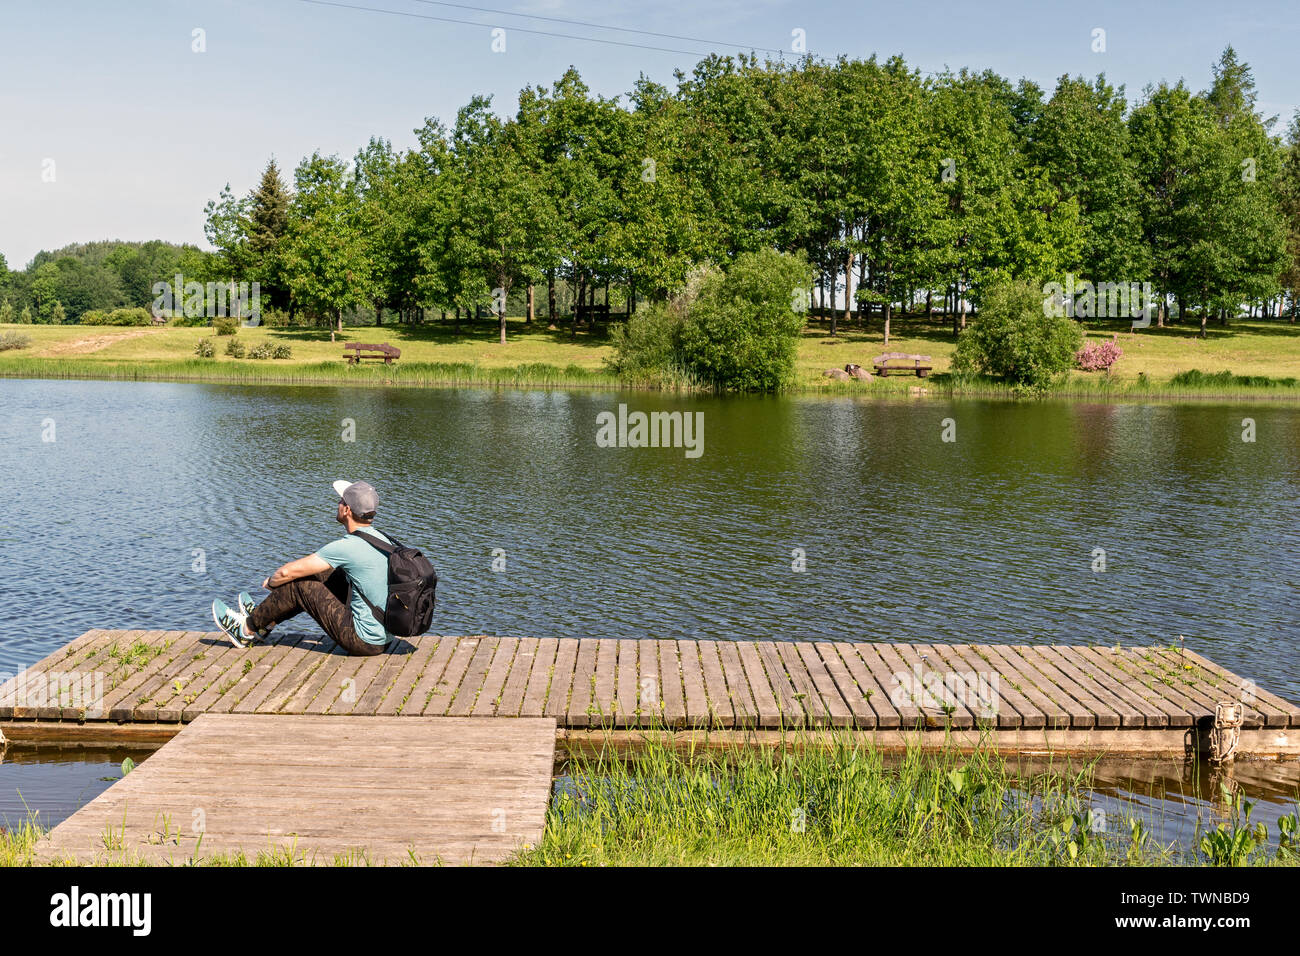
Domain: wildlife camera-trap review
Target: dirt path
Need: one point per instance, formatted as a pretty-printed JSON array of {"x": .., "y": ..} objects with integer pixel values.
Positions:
[{"x": 95, "y": 342}]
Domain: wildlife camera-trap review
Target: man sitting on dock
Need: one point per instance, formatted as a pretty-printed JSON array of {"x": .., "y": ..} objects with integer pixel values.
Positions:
[{"x": 331, "y": 585}]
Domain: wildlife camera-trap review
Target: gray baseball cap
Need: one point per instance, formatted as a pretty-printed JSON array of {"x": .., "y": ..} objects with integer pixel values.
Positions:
[{"x": 358, "y": 495}]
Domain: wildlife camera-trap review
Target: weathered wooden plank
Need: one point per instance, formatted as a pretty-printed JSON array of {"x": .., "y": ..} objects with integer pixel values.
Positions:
[
  {"x": 1105, "y": 713},
  {"x": 557, "y": 698},
  {"x": 697, "y": 701},
  {"x": 899, "y": 676},
  {"x": 873, "y": 692},
  {"x": 625, "y": 703},
  {"x": 444, "y": 691},
  {"x": 721, "y": 713},
  {"x": 739, "y": 691},
  {"x": 1131, "y": 713},
  {"x": 581, "y": 710},
  {"x": 603, "y": 689},
  {"x": 472, "y": 684},
  {"x": 1156, "y": 710},
  {"x": 162, "y": 687},
  {"x": 670, "y": 678},
  {"x": 489, "y": 694},
  {"x": 650, "y": 698},
  {"x": 122, "y": 677},
  {"x": 787, "y": 696},
  {"x": 419, "y": 694},
  {"x": 446, "y": 789},
  {"x": 304, "y": 660},
  {"x": 836, "y": 708},
  {"x": 512, "y": 694},
  {"x": 962, "y": 682},
  {"x": 1011, "y": 708},
  {"x": 1028, "y": 676},
  {"x": 539, "y": 681},
  {"x": 1009, "y": 675},
  {"x": 1135, "y": 670}
]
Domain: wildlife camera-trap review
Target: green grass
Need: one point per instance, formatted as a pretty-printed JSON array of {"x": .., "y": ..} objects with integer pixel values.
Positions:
[
  {"x": 839, "y": 806},
  {"x": 1247, "y": 359}
]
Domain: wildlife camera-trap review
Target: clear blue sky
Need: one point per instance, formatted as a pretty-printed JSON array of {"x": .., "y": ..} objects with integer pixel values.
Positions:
[{"x": 143, "y": 131}]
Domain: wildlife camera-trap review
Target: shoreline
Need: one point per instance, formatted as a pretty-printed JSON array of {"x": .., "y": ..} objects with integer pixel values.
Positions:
[{"x": 464, "y": 375}]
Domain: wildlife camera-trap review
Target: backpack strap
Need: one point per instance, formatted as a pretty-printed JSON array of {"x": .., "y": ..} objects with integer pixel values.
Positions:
[{"x": 386, "y": 549}]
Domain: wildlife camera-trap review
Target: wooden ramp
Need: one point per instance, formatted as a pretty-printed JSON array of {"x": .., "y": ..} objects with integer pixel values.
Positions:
[
  {"x": 1095, "y": 698},
  {"x": 324, "y": 790}
]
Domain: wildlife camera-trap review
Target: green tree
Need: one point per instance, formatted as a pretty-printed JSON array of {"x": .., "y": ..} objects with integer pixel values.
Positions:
[
  {"x": 267, "y": 223},
  {"x": 325, "y": 250}
]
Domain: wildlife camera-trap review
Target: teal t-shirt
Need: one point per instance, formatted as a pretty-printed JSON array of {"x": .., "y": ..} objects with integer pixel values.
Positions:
[{"x": 367, "y": 568}]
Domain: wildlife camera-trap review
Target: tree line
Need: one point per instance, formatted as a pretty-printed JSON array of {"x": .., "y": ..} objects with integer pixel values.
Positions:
[{"x": 902, "y": 190}]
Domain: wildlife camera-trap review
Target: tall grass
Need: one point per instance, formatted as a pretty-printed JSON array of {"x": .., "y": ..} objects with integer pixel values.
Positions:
[{"x": 837, "y": 805}]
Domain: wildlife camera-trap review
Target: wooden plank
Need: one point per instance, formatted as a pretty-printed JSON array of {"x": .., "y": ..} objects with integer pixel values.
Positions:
[
  {"x": 581, "y": 711},
  {"x": 417, "y": 698},
  {"x": 721, "y": 713},
  {"x": 1268, "y": 703},
  {"x": 442, "y": 694},
  {"x": 323, "y": 676},
  {"x": 120, "y": 701},
  {"x": 860, "y": 714},
  {"x": 787, "y": 696},
  {"x": 1013, "y": 709},
  {"x": 1156, "y": 710},
  {"x": 305, "y": 659},
  {"x": 490, "y": 694},
  {"x": 58, "y": 659},
  {"x": 470, "y": 686},
  {"x": 650, "y": 698},
  {"x": 250, "y": 677},
  {"x": 557, "y": 697},
  {"x": 1077, "y": 713},
  {"x": 512, "y": 694},
  {"x": 168, "y": 681},
  {"x": 970, "y": 682},
  {"x": 603, "y": 695},
  {"x": 626, "y": 681},
  {"x": 406, "y": 679},
  {"x": 697, "y": 701},
  {"x": 1055, "y": 716},
  {"x": 932, "y": 686},
  {"x": 1132, "y": 713},
  {"x": 743, "y": 695},
  {"x": 670, "y": 680},
  {"x": 898, "y": 676},
  {"x": 455, "y": 790},
  {"x": 279, "y": 664},
  {"x": 1106, "y": 708},
  {"x": 1187, "y": 710},
  {"x": 875, "y": 694},
  {"x": 837, "y": 708},
  {"x": 539, "y": 681}
]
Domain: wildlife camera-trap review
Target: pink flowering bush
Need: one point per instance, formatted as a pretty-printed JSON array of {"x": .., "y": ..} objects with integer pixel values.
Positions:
[{"x": 1098, "y": 358}]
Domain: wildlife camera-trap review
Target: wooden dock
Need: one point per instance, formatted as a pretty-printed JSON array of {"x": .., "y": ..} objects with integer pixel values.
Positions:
[
  {"x": 323, "y": 790},
  {"x": 140, "y": 685}
]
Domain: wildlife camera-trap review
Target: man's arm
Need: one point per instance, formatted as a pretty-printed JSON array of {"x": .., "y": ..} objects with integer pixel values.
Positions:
[{"x": 302, "y": 568}]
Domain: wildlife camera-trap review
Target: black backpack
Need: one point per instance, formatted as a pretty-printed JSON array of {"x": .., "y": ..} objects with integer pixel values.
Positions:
[{"x": 411, "y": 585}]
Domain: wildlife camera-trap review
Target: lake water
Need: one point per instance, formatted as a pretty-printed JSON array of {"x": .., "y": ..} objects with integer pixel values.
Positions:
[{"x": 151, "y": 499}]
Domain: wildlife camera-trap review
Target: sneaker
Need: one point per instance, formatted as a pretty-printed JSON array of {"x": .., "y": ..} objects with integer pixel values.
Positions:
[
  {"x": 231, "y": 623},
  {"x": 246, "y": 604}
]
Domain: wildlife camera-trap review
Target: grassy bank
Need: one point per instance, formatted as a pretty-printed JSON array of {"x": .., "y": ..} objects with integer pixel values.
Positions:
[{"x": 1247, "y": 359}]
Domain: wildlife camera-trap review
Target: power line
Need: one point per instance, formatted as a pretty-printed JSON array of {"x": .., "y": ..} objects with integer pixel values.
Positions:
[
  {"x": 476, "y": 23},
  {"x": 600, "y": 26}
]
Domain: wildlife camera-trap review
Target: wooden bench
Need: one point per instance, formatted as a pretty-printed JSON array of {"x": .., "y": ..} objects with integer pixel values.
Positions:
[
  {"x": 882, "y": 366},
  {"x": 354, "y": 352},
  {"x": 590, "y": 312}
]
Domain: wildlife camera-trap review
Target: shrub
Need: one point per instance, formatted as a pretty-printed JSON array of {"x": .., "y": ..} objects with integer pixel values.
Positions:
[
  {"x": 205, "y": 349},
  {"x": 274, "y": 318},
  {"x": 261, "y": 351},
  {"x": 235, "y": 348},
  {"x": 135, "y": 316},
  {"x": 1013, "y": 339},
  {"x": 7, "y": 316},
  {"x": 25, "y": 317},
  {"x": 1098, "y": 357},
  {"x": 742, "y": 333},
  {"x": 13, "y": 340},
  {"x": 226, "y": 325},
  {"x": 648, "y": 348},
  {"x": 281, "y": 352}
]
